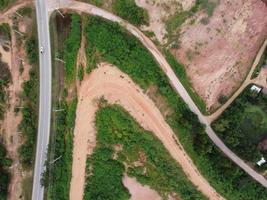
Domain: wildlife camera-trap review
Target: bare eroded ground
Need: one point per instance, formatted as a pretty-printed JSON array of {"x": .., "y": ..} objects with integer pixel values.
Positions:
[
  {"x": 117, "y": 87},
  {"x": 159, "y": 11},
  {"x": 219, "y": 54},
  {"x": 138, "y": 191}
]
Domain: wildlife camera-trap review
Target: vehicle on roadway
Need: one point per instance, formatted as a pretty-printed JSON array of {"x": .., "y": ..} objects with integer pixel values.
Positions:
[{"x": 41, "y": 49}]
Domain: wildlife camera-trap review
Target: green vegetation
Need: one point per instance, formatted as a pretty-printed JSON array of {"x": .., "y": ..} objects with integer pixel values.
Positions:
[
  {"x": 5, "y": 31},
  {"x": 5, "y": 75},
  {"x": 5, "y": 3},
  {"x": 97, "y": 3},
  {"x": 71, "y": 47},
  {"x": 262, "y": 62},
  {"x": 80, "y": 73},
  {"x": 27, "y": 188},
  {"x": 181, "y": 74},
  {"x": 244, "y": 125},
  {"x": 132, "y": 58},
  {"x": 25, "y": 11},
  {"x": 59, "y": 173},
  {"x": 128, "y": 10},
  {"x": 174, "y": 22},
  {"x": 31, "y": 45},
  {"x": 28, "y": 124},
  {"x": 4, "y": 175},
  {"x": 208, "y": 5},
  {"x": 57, "y": 177},
  {"x": 5, "y": 79},
  {"x": 172, "y": 26},
  {"x": 158, "y": 169}
]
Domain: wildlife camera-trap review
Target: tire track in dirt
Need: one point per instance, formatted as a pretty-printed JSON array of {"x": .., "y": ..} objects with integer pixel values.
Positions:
[{"x": 118, "y": 88}]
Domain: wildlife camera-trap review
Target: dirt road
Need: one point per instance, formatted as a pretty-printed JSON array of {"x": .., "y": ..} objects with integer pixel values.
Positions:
[
  {"x": 107, "y": 81},
  {"x": 174, "y": 81}
]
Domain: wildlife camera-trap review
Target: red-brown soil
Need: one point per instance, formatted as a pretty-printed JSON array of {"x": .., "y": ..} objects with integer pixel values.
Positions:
[{"x": 218, "y": 55}]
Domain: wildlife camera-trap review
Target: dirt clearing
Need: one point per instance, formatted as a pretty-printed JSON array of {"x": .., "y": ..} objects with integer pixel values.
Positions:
[
  {"x": 218, "y": 51},
  {"x": 117, "y": 87},
  {"x": 159, "y": 11},
  {"x": 138, "y": 191}
]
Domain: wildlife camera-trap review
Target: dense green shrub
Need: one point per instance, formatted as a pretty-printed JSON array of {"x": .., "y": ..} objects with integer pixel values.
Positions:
[
  {"x": 128, "y": 10},
  {"x": 31, "y": 46},
  {"x": 59, "y": 173},
  {"x": 5, "y": 79},
  {"x": 4, "y": 175},
  {"x": 28, "y": 124},
  {"x": 162, "y": 173},
  {"x": 71, "y": 47},
  {"x": 243, "y": 125},
  {"x": 5, "y": 31},
  {"x": 5, "y": 3},
  {"x": 80, "y": 73},
  {"x": 116, "y": 46}
]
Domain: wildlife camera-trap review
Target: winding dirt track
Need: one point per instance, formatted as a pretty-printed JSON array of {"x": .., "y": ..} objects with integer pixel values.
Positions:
[
  {"x": 177, "y": 85},
  {"x": 107, "y": 81}
]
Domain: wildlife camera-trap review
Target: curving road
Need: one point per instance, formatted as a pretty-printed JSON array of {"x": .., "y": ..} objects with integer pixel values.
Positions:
[
  {"x": 45, "y": 6},
  {"x": 44, "y": 98},
  {"x": 93, "y": 10}
]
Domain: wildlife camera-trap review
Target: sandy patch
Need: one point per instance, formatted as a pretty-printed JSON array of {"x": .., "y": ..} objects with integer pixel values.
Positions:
[
  {"x": 117, "y": 87},
  {"x": 5, "y": 56},
  {"x": 138, "y": 191},
  {"x": 262, "y": 77},
  {"x": 218, "y": 55},
  {"x": 159, "y": 11}
]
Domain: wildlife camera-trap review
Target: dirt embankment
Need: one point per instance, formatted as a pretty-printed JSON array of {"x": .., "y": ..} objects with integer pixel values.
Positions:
[
  {"x": 117, "y": 87},
  {"x": 218, "y": 51}
]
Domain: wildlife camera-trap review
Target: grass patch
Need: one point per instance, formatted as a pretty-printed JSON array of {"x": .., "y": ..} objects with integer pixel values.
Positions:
[
  {"x": 174, "y": 22},
  {"x": 208, "y": 5},
  {"x": 27, "y": 188},
  {"x": 128, "y": 10},
  {"x": 97, "y": 3},
  {"x": 25, "y": 11},
  {"x": 158, "y": 170}
]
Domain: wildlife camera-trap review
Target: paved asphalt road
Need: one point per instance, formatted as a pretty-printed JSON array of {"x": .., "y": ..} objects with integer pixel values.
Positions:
[
  {"x": 45, "y": 97},
  {"x": 45, "y": 88}
]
